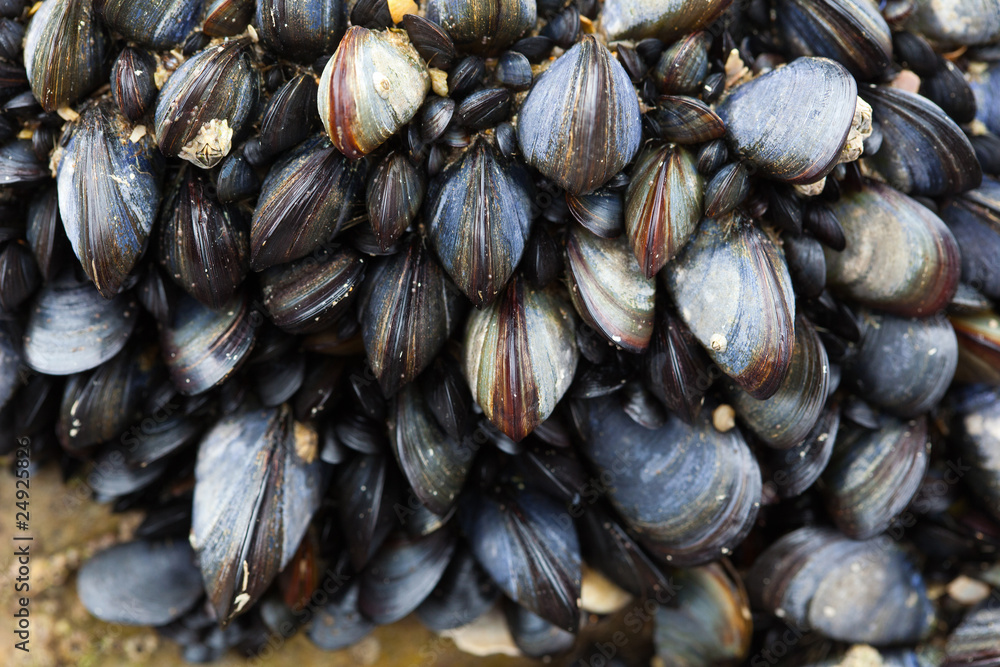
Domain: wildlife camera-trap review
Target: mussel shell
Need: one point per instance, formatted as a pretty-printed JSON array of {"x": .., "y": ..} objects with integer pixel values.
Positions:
[
  {"x": 207, "y": 103},
  {"x": 986, "y": 88},
  {"x": 19, "y": 165},
  {"x": 596, "y": 129},
  {"x": 948, "y": 89},
  {"x": 204, "y": 245},
  {"x": 367, "y": 516},
  {"x": 852, "y": 32},
  {"x": 64, "y": 52},
  {"x": 306, "y": 199},
  {"x": 978, "y": 337},
  {"x": 608, "y": 289},
  {"x": 977, "y": 441},
  {"x": 602, "y": 212},
  {"x": 483, "y": 27},
  {"x": 786, "y": 418},
  {"x": 257, "y": 485},
  {"x": 10, "y": 362},
  {"x": 202, "y": 347},
  {"x": 686, "y": 120},
  {"x": 394, "y": 196},
  {"x": 479, "y": 213},
  {"x": 407, "y": 312},
  {"x": 708, "y": 490},
  {"x": 372, "y": 86},
  {"x": 157, "y": 24},
  {"x": 108, "y": 220},
  {"x": 667, "y": 20},
  {"x": 236, "y": 179},
  {"x": 728, "y": 276},
  {"x": 536, "y": 637},
  {"x": 339, "y": 624},
  {"x": 533, "y": 555},
  {"x": 430, "y": 40},
  {"x": 727, "y": 189},
  {"x": 520, "y": 356},
  {"x": 290, "y": 116},
  {"x": 514, "y": 71},
  {"x": 974, "y": 220},
  {"x": 140, "y": 582},
  {"x": 873, "y": 475},
  {"x": 301, "y": 30},
  {"x": 683, "y": 66},
  {"x": 817, "y": 98},
  {"x": 133, "y": 84},
  {"x": 227, "y": 18},
  {"x": 662, "y": 205},
  {"x": 974, "y": 640},
  {"x": 956, "y": 23},
  {"x": 902, "y": 365},
  {"x": 794, "y": 470},
  {"x": 72, "y": 328},
  {"x": 677, "y": 371},
  {"x": 849, "y": 591},
  {"x": 914, "y": 126},
  {"x": 19, "y": 275}
]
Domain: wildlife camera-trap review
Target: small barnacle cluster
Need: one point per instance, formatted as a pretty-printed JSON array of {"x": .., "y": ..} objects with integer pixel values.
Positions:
[{"x": 685, "y": 302}]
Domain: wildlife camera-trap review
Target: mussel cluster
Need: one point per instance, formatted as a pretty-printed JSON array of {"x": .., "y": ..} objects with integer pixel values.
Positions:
[{"x": 517, "y": 314}]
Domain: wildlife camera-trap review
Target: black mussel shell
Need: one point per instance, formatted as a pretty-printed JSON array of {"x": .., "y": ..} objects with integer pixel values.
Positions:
[
  {"x": 156, "y": 294},
  {"x": 339, "y": 624},
  {"x": 677, "y": 371},
  {"x": 367, "y": 516},
  {"x": 686, "y": 120},
  {"x": 727, "y": 189},
  {"x": 19, "y": 165},
  {"x": 227, "y": 18},
  {"x": 683, "y": 66},
  {"x": 602, "y": 212},
  {"x": 793, "y": 471},
  {"x": 394, "y": 196},
  {"x": 157, "y": 24},
  {"x": 536, "y": 637},
  {"x": 957, "y": 23},
  {"x": 133, "y": 85},
  {"x": 974, "y": 220},
  {"x": 290, "y": 116},
  {"x": 667, "y": 20},
  {"x": 10, "y": 362},
  {"x": 514, "y": 71},
  {"x": 483, "y": 28},
  {"x": 463, "y": 594},
  {"x": 974, "y": 640},
  {"x": 19, "y": 275},
  {"x": 431, "y": 41},
  {"x": 977, "y": 442},
  {"x": 236, "y": 179},
  {"x": 948, "y": 89},
  {"x": 300, "y": 30}
]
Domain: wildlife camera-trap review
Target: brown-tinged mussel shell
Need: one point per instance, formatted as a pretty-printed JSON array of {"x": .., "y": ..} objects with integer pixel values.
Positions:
[
  {"x": 785, "y": 419},
  {"x": 974, "y": 220},
  {"x": 257, "y": 486},
  {"x": 852, "y": 32},
  {"x": 978, "y": 335},
  {"x": 394, "y": 196},
  {"x": 372, "y": 86},
  {"x": 708, "y": 622},
  {"x": 686, "y": 120},
  {"x": 956, "y": 23},
  {"x": 300, "y": 31},
  {"x": 202, "y": 347},
  {"x": 140, "y": 582},
  {"x": 899, "y": 256},
  {"x": 407, "y": 312},
  {"x": 157, "y": 24},
  {"x": 663, "y": 204},
  {"x": 65, "y": 48},
  {"x": 227, "y": 18},
  {"x": 72, "y": 328},
  {"x": 873, "y": 474},
  {"x": 731, "y": 274},
  {"x": 207, "y": 104},
  {"x": 708, "y": 489},
  {"x": 850, "y": 591},
  {"x": 312, "y": 293},
  {"x": 608, "y": 289},
  {"x": 817, "y": 98},
  {"x": 108, "y": 220},
  {"x": 667, "y": 20},
  {"x": 478, "y": 214},
  {"x": 307, "y": 198},
  {"x": 793, "y": 471},
  {"x": 19, "y": 276},
  {"x": 602, "y": 212},
  {"x": 580, "y": 123},
  {"x": 204, "y": 245},
  {"x": 923, "y": 151},
  {"x": 133, "y": 84},
  {"x": 901, "y": 365},
  {"x": 727, "y": 189},
  {"x": 483, "y": 27},
  {"x": 519, "y": 538},
  {"x": 520, "y": 356}
]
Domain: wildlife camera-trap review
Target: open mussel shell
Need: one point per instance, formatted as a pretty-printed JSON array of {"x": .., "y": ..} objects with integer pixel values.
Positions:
[
  {"x": 708, "y": 492},
  {"x": 207, "y": 104},
  {"x": 978, "y": 337},
  {"x": 867, "y": 592},
  {"x": 977, "y": 441},
  {"x": 72, "y": 328},
  {"x": 394, "y": 196},
  {"x": 372, "y": 86},
  {"x": 157, "y": 24},
  {"x": 667, "y": 20},
  {"x": 434, "y": 462},
  {"x": 852, "y": 32},
  {"x": 307, "y": 197},
  {"x": 133, "y": 82},
  {"x": 520, "y": 356},
  {"x": 301, "y": 31},
  {"x": 65, "y": 49},
  {"x": 407, "y": 312},
  {"x": 786, "y": 418},
  {"x": 899, "y": 257},
  {"x": 108, "y": 220},
  {"x": 873, "y": 475},
  {"x": 140, "y": 582},
  {"x": 204, "y": 245},
  {"x": 481, "y": 27},
  {"x": 479, "y": 214},
  {"x": 708, "y": 622},
  {"x": 902, "y": 365},
  {"x": 312, "y": 293},
  {"x": 533, "y": 555},
  {"x": 609, "y": 290},
  {"x": 202, "y": 347},
  {"x": 403, "y": 573},
  {"x": 730, "y": 275},
  {"x": 663, "y": 204},
  {"x": 257, "y": 486},
  {"x": 957, "y": 23},
  {"x": 914, "y": 126},
  {"x": 974, "y": 220},
  {"x": 792, "y": 471},
  {"x": 817, "y": 98},
  {"x": 580, "y": 123}
]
